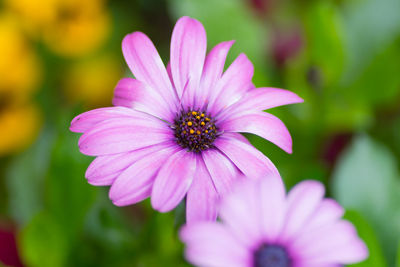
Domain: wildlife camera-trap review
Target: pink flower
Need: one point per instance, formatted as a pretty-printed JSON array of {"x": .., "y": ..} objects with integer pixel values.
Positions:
[
  {"x": 264, "y": 227},
  {"x": 174, "y": 132}
]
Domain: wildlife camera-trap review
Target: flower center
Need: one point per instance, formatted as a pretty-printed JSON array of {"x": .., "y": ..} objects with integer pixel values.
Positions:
[
  {"x": 271, "y": 256},
  {"x": 195, "y": 130}
]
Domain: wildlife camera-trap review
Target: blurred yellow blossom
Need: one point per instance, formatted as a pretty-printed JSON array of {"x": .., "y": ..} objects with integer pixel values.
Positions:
[
  {"x": 92, "y": 81},
  {"x": 19, "y": 127},
  {"x": 20, "y": 69},
  {"x": 68, "y": 27},
  {"x": 20, "y": 72}
]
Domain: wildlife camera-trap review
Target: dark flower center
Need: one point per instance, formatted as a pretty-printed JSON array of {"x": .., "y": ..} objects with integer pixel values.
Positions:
[
  {"x": 271, "y": 256},
  {"x": 195, "y": 130}
]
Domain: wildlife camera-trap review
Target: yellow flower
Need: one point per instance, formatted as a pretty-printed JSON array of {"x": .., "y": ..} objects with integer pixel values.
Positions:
[
  {"x": 19, "y": 65},
  {"x": 20, "y": 73},
  {"x": 68, "y": 27},
  {"x": 92, "y": 81},
  {"x": 19, "y": 127},
  {"x": 34, "y": 14}
]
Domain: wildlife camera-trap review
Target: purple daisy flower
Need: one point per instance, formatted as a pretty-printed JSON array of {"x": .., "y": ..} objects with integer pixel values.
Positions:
[
  {"x": 263, "y": 227},
  {"x": 173, "y": 132}
]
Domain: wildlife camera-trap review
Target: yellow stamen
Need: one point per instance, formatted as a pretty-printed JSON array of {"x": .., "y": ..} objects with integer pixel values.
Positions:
[
  {"x": 190, "y": 123},
  {"x": 191, "y": 131},
  {"x": 194, "y": 113},
  {"x": 198, "y": 117},
  {"x": 207, "y": 119},
  {"x": 198, "y": 132},
  {"x": 203, "y": 123},
  {"x": 206, "y": 131},
  {"x": 202, "y": 115}
]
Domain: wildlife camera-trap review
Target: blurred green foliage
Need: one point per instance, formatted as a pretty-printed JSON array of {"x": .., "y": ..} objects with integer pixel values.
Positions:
[
  {"x": 342, "y": 57},
  {"x": 366, "y": 179}
]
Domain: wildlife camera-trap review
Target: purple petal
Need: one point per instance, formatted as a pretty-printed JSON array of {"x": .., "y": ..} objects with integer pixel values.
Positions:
[
  {"x": 87, "y": 120},
  {"x": 259, "y": 99},
  {"x": 327, "y": 212},
  {"x": 263, "y": 124},
  {"x": 335, "y": 243},
  {"x": 210, "y": 244},
  {"x": 103, "y": 180},
  {"x": 302, "y": 202},
  {"x": 240, "y": 212},
  {"x": 240, "y": 137},
  {"x": 213, "y": 68},
  {"x": 147, "y": 66},
  {"x": 272, "y": 207},
  {"x": 235, "y": 82},
  {"x": 248, "y": 159},
  {"x": 170, "y": 74},
  {"x": 173, "y": 181},
  {"x": 188, "y": 50},
  {"x": 223, "y": 172},
  {"x": 135, "y": 183},
  {"x": 201, "y": 201},
  {"x": 111, "y": 164},
  {"x": 126, "y": 92},
  {"x": 134, "y": 94},
  {"x": 123, "y": 135}
]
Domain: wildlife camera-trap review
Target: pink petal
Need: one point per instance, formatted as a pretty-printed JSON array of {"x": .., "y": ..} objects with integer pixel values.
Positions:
[
  {"x": 263, "y": 124},
  {"x": 123, "y": 135},
  {"x": 132, "y": 93},
  {"x": 248, "y": 159},
  {"x": 173, "y": 181},
  {"x": 87, "y": 120},
  {"x": 170, "y": 74},
  {"x": 213, "y": 68},
  {"x": 126, "y": 92},
  {"x": 135, "y": 183},
  {"x": 201, "y": 201},
  {"x": 147, "y": 66},
  {"x": 327, "y": 212},
  {"x": 223, "y": 172},
  {"x": 210, "y": 244},
  {"x": 103, "y": 180},
  {"x": 188, "y": 50},
  {"x": 241, "y": 212},
  {"x": 110, "y": 164},
  {"x": 272, "y": 207},
  {"x": 235, "y": 82},
  {"x": 259, "y": 99},
  {"x": 240, "y": 137},
  {"x": 302, "y": 202},
  {"x": 334, "y": 243}
]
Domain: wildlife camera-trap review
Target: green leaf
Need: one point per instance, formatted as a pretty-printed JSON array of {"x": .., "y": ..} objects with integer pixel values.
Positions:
[
  {"x": 371, "y": 25},
  {"x": 379, "y": 82},
  {"x": 365, "y": 179},
  {"x": 68, "y": 195},
  {"x": 367, "y": 234},
  {"x": 398, "y": 256},
  {"x": 43, "y": 243},
  {"x": 324, "y": 33},
  {"x": 25, "y": 179}
]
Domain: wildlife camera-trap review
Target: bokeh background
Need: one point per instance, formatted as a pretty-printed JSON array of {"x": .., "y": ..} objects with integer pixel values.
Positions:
[{"x": 59, "y": 58}]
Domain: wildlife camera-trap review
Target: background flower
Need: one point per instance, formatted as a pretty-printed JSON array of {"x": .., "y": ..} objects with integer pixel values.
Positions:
[
  {"x": 261, "y": 226},
  {"x": 91, "y": 81},
  {"x": 70, "y": 28},
  {"x": 19, "y": 118}
]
